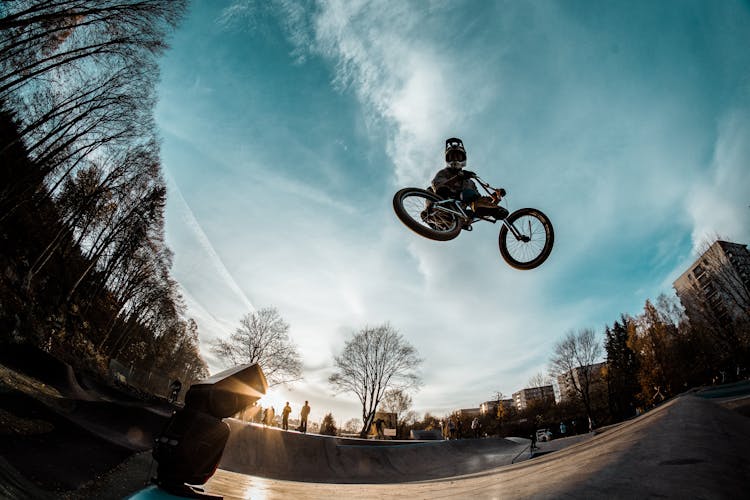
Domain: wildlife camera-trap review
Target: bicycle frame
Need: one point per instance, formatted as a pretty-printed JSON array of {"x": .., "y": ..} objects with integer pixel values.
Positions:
[{"x": 455, "y": 207}]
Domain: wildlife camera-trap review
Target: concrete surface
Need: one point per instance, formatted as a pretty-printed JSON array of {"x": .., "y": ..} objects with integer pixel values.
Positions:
[
  {"x": 56, "y": 444},
  {"x": 690, "y": 447},
  {"x": 273, "y": 453}
]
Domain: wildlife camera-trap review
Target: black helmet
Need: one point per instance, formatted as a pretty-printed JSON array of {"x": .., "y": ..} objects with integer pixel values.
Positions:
[{"x": 455, "y": 154}]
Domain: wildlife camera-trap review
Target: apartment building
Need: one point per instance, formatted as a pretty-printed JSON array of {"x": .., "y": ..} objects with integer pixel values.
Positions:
[
  {"x": 490, "y": 407},
  {"x": 716, "y": 287},
  {"x": 524, "y": 397},
  {"x": 578, "y": 376}
]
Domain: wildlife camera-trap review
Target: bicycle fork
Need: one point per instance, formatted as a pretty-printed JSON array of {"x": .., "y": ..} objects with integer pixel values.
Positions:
[{"x": 516, "y": 233}]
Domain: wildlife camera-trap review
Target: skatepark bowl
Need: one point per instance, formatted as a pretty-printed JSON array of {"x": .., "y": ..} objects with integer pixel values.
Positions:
[
  {"x": 689, "y": 447},
  {"x": 272, "y": 453}
]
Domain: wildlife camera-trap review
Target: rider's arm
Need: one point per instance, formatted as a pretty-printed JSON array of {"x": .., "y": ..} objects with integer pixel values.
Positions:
[
  {"x": 439, "y": 179},
  {"x": 441, "y": 183}
]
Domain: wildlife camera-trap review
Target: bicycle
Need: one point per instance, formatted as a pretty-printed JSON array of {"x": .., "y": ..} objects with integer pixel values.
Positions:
[{"x": 526, "y": 235}]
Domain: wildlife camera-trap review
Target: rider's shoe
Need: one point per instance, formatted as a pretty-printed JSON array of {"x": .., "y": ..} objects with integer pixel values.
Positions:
[{"x": 483, "y": 202}]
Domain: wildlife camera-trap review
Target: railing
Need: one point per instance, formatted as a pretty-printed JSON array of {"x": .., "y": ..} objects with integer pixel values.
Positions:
[{"x": 150, "y": 381}]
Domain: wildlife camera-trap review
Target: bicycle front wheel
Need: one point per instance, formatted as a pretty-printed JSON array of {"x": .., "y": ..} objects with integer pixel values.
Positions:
[
  {"x": 414, "y": 207},
  {"x": 532, "y": 243}
]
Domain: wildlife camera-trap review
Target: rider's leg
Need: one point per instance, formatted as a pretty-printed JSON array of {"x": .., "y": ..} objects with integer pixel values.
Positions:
[
  {"x": 468, "y": 196},
  {"x": 483, "y": 206},
  {"x": 495, "y": 211}
]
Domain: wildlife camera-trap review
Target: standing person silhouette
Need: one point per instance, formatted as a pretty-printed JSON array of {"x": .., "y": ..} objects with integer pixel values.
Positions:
[
  {"x": 303, "y": 417},
  {"x": 475, "y": 427},
  {"x": 379, "y": 428},
  {"x": 285, "y": 416},
  {"x": 174, "y": 390}
]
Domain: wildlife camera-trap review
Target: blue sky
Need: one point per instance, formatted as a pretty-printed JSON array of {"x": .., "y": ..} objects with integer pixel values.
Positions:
[{"x": 287, "y": 127}]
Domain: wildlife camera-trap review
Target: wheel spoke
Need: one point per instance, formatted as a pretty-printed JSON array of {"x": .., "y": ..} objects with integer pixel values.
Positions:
[
  {"x": 418, "y": 207},
  {"x": 526, "y": 251}
]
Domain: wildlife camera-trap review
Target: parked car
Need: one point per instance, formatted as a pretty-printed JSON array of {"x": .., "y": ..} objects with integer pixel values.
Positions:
[{"x": 543, "y": 435}]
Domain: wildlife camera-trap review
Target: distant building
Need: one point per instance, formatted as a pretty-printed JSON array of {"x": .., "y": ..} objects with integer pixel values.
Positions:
[
  {"x": 567, "y": 381},
  {"x": 465, "y": 413},
  {"x": 390, "y": 423},
  {"x": 490, "y": 407},
  {"x": 389, "y": 419},
  {"x": 525, "y": 397},
  {"x": 716, "y": 287}
]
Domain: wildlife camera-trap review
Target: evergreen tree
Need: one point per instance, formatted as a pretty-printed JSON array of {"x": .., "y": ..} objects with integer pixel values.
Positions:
[
  {"x": 622, "y": 370},
  {"x": 328, "y": 427}
]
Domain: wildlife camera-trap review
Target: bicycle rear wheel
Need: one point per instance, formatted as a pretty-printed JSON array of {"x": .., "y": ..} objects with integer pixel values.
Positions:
[
  {"x": 534, "y": 242},
  {"x": 413, "y": 206}
]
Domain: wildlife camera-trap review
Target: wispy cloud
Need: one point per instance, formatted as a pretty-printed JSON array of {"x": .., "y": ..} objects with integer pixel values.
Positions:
[
  {"x": 604, "y": 125},
  {"x": 205, "y": 254},
  {"x": 239, "y": 14},
  {"x": 719, "y": 203},
  {"x": 422, "y": 88},
  {"x": 403, "y": 80}
]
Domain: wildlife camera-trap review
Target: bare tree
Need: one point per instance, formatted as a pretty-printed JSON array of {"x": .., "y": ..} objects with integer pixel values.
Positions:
[
  {"x": 539, "y": 380},
  {"x": 351, "y": 425},
  {"x": 373, "y": 361},
  {"x": 396, "y": 401},
  {"x": 41, "y": 36},
  {"x": 81, "y": 77},
  {"x": 573, "y": 357},
  {"x": 263, "y": 338}
]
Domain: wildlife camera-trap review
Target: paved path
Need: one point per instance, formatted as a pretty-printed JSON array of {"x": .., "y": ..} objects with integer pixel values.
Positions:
[{"x": 689, "y": 447}]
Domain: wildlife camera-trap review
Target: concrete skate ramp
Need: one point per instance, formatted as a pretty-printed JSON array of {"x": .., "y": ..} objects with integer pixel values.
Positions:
[
  {"x": 45, "y": 368},
  {"x": 687, "y": 448},
  {"x": 272, "y": 453}
]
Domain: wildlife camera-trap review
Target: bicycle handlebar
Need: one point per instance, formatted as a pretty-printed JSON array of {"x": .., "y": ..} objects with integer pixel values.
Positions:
[{"x": 496, "y": 193}]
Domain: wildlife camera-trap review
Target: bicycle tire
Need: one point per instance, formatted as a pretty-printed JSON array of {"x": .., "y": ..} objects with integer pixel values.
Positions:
[
  {"x": 407, "y": 205},
  {"x": 514, "y": 251}
]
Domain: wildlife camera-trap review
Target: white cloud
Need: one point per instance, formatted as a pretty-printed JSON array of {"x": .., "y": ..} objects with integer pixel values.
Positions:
[
  {"x": 238, "y": 14},
  {"x": 607, "y": 159},
  {"x": 446, "y": 298},
  {"x": 400, "y": 76},
  {"x": 205, "y": 248},
  {"x": 719, "y": 203}
]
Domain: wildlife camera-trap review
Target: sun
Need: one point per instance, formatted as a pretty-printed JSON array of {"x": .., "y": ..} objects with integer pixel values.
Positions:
[{"x": 272, "y": 399}]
